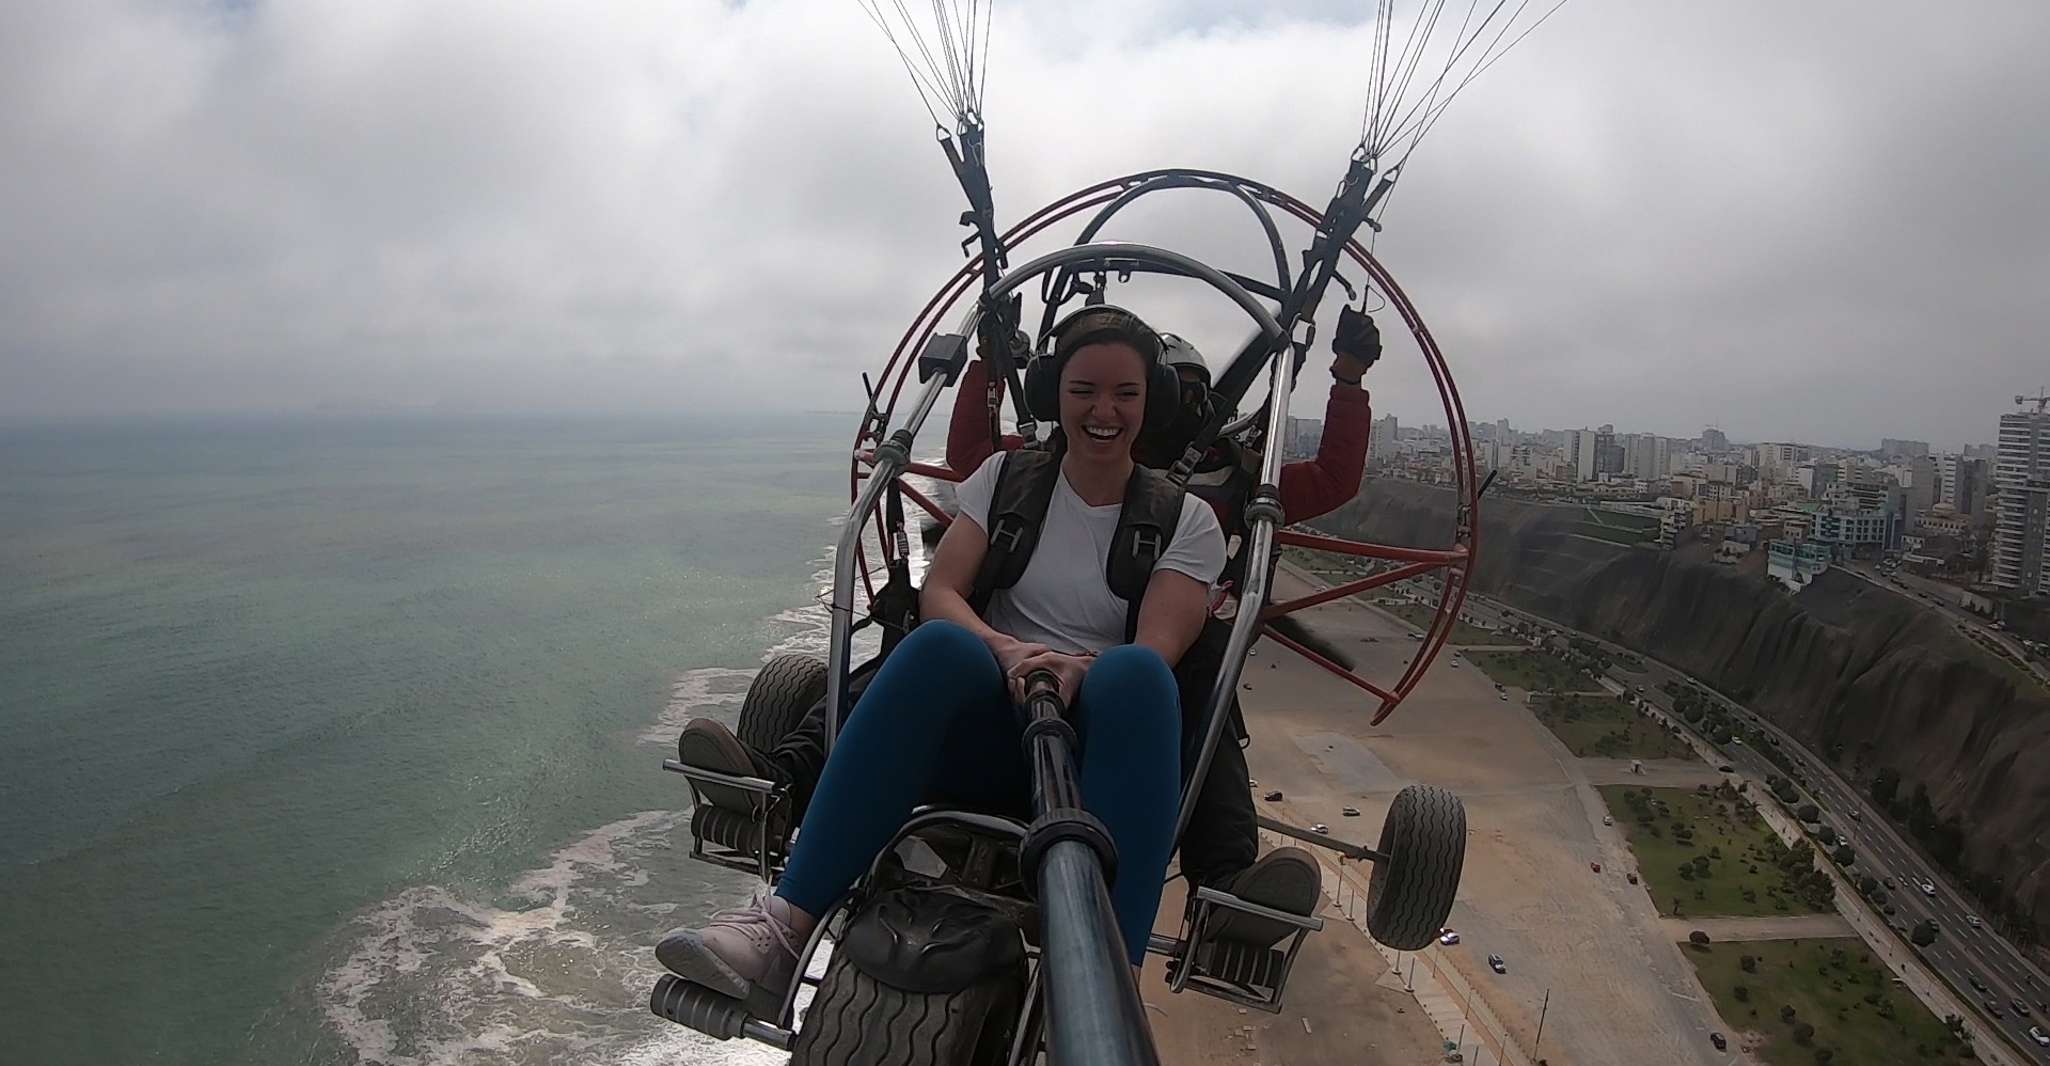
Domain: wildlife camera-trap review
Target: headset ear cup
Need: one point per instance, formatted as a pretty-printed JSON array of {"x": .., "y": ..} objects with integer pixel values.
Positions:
[
  {"x": 1042, "y": 388},
  {"x": 1163, "y": 395}
]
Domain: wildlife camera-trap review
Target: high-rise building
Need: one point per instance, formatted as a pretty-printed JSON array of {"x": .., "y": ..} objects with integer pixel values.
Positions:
[
  {"x": 1713, "y": 440},
  {"x": 1580, "y": 453},
  {"x": 1920, "y": 483},
  {"x": 1777, "y": 462},
  {"x": 1961, "y": 483},
  {"x": 1381, "y": 441},
  {"x": 1647, "y": 456},
  {"x": 2023, "y": 473},
  {"x": 1904, "y": 449},
  {"x": 1304, "y": 435}
]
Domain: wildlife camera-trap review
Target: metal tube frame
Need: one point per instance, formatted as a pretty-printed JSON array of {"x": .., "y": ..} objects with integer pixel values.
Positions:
[
  {"x": 893, "y": 456},
  {"x": 1093, "y": 1011},
  {"x": 1459, "y": 557}
]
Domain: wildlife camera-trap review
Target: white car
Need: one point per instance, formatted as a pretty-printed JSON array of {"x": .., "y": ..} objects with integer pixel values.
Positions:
[
  {"x": 1929, "y": 889},
  {"x": 2037, "y": 1034},
  {"x": 1320, "y": 827},
  {"x": 1608, "y": 819},
  {"x": 1448, "y": 937},
  {"x": 1972, "y": 920}
]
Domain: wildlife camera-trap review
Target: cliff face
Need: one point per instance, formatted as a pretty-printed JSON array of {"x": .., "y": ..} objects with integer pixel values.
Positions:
[{"x": 1852, "y": 670}]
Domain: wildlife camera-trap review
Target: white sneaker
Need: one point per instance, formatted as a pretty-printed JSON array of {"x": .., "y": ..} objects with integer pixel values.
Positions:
[{"x": 749, "y": 953}]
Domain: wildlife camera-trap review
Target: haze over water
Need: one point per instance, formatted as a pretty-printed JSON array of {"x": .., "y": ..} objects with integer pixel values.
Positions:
[{"x": 339, "y": 740}]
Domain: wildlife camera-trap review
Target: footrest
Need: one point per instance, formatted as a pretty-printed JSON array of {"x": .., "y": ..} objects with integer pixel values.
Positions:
[
  {"x": 1242, "y": 964},
  {"x": 753, "y": 840},
  {"x": 1252, "y": 975},
  {"x": 711, "y": 1013}
]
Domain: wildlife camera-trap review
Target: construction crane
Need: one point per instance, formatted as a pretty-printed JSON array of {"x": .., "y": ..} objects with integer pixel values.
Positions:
[{"x": 2041, "y": 399}]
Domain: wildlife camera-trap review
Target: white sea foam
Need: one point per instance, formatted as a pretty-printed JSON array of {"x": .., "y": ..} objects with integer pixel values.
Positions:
[
  {"x": 561, "y": 970},
  {"x": 435, "y": 977}
]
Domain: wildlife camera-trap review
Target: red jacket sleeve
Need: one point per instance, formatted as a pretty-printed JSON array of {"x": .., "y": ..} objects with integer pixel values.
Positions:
[
  {"x": 1319, "y": 486},
  {"x": 968, "y": 431}
]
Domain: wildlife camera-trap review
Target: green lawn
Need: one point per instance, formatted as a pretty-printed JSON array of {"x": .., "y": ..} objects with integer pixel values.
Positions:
[
  {"x": 1531, "y": 670},
  {"x": 1736, "y": 866},
  {"x": 1834, "y": 985},
  {"x": 1420, "y": 616},
  {"x": 1606, "y": 727}
]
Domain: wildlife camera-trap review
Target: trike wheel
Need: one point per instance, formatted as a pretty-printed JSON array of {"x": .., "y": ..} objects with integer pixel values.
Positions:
[
  {"x": 1424, "y": 841},
  {"x": 857, "y": 1020},
  {"x": 779, "y": 698}
]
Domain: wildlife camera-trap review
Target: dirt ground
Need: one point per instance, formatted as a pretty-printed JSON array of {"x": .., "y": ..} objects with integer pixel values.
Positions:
[
  {"x": 1619, "y": 991},
  {"x": 1343, "y": 1005}
]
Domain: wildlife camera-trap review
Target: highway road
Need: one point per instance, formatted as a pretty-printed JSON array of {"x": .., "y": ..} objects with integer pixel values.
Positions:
[{"x": 1961, "y": 953}]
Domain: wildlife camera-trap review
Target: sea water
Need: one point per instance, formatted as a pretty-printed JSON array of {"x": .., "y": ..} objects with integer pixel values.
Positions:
[{"x": 338, "y": 740}]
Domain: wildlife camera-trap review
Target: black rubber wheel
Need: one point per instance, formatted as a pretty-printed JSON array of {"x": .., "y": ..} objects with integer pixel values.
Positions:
[
  {"x": 857, "y": 1020},
  {"x": 1424, "y": 839},
  {"x": 779, "y": 697}
]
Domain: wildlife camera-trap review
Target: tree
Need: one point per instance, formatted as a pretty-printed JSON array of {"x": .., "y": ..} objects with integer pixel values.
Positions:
[
  {"x": 1825, "y": 834},
  {"x": 1748, "y": 963},
  {"x": 1803, "y": 1033},
  {"x": 1808, "y": 812},
  {"x": 1787, "y": 1013},
  {"x": 1868, "y": 884},
  {"x": 1823, "y": 1055},
  {"x": 1885, "y": 784},
  {"x": 1843, "y": 855},
  {"x": 1924, "y": 934},
  {"x": 1742, "y": 992}
]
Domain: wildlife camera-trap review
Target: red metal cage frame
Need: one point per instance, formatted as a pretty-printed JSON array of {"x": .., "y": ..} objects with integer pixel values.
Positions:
[{"x": 1456, "y": 560}]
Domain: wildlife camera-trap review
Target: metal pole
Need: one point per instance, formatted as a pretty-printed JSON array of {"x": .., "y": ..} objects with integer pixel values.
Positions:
[
  {"x": 1411, "y": 982},
  {"x": 891, "y": 458},
  {"x": 1280, "y": 380},
  {"x": 1094, "y": 1014},
  {"x": 1542, "y": 1008},
  {"x": 1093, "y": 1009}
]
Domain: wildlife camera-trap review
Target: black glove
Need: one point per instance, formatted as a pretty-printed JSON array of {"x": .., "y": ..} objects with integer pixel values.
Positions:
[{"x": 1357, "y": 336}]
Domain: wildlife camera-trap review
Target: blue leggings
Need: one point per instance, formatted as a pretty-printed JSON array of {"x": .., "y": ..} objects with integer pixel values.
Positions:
[{"x": 937, "y": 725}]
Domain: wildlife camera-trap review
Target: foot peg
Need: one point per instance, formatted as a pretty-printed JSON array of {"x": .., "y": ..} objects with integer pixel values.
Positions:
[{"x": 711, "y": 1013}]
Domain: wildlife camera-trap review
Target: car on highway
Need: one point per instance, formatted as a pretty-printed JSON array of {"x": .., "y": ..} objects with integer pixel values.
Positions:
[
  {"x": 1993, "y": 1007},
  {"x": 1928, "y": 889},
  {"x": 2037, "y": 1034},
  {"x": 2019, "y": 1007},
  {"x": 1726, "y": 768},
  {"x": 1888, "y": 882},
  {"x": 1350, "y": 812},
  {"x": 1496, "y": 964},
  {"x": 1977, "y": 985},
  {"x": 1320, "y": 827},
  {"x": 1973, "y": 921},
  {"x": 1449, "y": 937},
  {"x": 1720, "y": 1043},
  {"x": 1502, "y": 696}
]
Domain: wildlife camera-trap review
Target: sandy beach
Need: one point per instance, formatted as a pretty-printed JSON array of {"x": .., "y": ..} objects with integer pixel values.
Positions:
[{"x": 1619, "y": 991}]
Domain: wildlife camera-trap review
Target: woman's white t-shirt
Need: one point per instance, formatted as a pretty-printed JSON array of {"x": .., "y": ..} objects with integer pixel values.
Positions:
[{"x": 1063, "y": 599}]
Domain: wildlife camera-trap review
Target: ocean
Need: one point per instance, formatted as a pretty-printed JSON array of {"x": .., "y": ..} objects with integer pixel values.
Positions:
[{"x": 338, "y": 740}]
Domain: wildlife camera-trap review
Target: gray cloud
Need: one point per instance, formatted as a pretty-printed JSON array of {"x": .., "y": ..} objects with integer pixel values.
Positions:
[{"x": 1817, "y": 221}]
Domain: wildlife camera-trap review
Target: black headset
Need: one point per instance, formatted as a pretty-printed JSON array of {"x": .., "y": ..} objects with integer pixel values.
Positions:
[{"x": 1043, "y": 371}]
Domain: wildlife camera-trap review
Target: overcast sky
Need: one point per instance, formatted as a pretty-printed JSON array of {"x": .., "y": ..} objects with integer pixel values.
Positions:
[{"x": 1821, "y": 221}]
